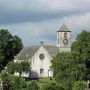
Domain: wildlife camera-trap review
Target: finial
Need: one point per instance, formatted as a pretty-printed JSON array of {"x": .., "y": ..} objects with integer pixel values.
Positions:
[{"x": 41, "y": 42}]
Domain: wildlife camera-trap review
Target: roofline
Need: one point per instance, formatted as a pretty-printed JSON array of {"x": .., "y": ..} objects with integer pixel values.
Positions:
[{"x": 63, "y": 31}]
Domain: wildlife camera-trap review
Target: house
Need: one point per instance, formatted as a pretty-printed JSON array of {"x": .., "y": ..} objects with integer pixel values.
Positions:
[{"x": 41, "y": 55}]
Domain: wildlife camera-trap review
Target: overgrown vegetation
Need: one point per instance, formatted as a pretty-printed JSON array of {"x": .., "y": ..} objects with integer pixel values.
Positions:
[
  {"x": 71, "y": 69},
  {"x": 20, "y": 67},
  {"x": 10, "y": 46}
]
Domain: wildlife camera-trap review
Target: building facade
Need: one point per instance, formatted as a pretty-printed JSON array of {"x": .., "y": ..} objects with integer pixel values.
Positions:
[{"x": 40, "y": 56}]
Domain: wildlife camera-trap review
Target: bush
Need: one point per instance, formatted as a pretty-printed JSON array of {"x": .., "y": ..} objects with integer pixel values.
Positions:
[
  {"x": 79, "y": 85},
  {"x": 32, "y": 86},
  {"x": 53, "y": 86}
]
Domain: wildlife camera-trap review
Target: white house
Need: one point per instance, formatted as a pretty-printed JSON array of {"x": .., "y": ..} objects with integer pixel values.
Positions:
[{"x": 41, "y": 55}]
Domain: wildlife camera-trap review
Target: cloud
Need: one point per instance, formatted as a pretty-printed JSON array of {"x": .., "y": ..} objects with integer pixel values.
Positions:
[
  {"x": 13, "y": 11},
  {"x": 34, "y": 32},
  {"x": 38, "y": 20}
]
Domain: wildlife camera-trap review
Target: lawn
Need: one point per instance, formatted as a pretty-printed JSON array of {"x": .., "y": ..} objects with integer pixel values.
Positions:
[{"x": 43, "y": 81}]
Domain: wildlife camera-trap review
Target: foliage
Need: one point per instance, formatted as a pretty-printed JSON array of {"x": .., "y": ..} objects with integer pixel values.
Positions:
[
  {"x": 11, "y": 67},
  {"x": 5, "y": 79},
  {"x": 82, "y": 47},
  {"x": 67, "y": 69},
  {"x": 20, "y": 67},
  {"x": 12, "y": 82},
  {"x": 10, "y": 46},
  {"x": 79, "y": 85},
  {"x": 53, "y": 86},
  {"x": 32, "y": 86},
  {"x": 17, "y": 83},
  {"x": 71, "y": 67}
]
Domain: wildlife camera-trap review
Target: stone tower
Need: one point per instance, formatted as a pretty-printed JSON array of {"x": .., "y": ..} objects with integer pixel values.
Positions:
[{"x": 64, "y": 39}]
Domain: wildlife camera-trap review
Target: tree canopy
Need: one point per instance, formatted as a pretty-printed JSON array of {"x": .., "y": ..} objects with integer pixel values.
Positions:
[
  {"x": 10, "y": 46},
  {"x": 67, "y": 69},
  {"x": 20, "y": 67},
  {"x": 82, "y": 47},
  {"x": 72, "y": 67}
]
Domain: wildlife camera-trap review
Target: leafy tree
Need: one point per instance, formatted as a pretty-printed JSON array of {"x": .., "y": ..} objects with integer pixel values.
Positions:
[
  {"x": 10, "y": 46},
  {"x": 12, "y": 82},
  {"x": 11, "y": 67},
  {"x": 67, "y": 69},
  {"x": 19, "y": 67},
  {"x": 82, "y": 47}
]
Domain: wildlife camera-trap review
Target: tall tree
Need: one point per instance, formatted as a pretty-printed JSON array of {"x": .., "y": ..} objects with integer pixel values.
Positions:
[
  {"x": 82, "y": 47},
  {"x": 10, "y": 46},
  {"x": 67, "y": 69}
]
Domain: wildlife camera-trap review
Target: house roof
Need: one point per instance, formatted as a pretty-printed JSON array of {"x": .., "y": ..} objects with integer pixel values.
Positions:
[
  {"x": 64, "y": 28},
  {"x": 28, "y": 52}
]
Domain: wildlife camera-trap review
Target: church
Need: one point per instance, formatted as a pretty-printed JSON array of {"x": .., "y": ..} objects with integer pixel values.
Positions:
[{"x": 40, "y": 56}]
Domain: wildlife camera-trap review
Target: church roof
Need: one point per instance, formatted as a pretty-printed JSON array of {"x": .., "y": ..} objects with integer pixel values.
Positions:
[
  {"x": 28, "y": 52},
  {"x": 52, "y": 50},
  {"x": 64, "y": 28}
]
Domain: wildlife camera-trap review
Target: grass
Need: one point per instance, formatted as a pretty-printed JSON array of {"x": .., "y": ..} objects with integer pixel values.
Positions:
[{"x": 43, "y": 81}]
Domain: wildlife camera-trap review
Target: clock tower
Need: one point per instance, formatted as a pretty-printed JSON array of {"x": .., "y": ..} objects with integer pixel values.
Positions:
[{"x": 64, "y": 39}]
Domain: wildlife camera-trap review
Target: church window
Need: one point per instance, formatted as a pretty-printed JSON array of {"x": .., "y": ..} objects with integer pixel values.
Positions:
[
  {"x": 41, "y": 71},
  {"x": 41, "y": 56}
]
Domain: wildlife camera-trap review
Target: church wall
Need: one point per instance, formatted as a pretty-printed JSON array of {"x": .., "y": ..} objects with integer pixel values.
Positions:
[{"x": 38, "y": 64}]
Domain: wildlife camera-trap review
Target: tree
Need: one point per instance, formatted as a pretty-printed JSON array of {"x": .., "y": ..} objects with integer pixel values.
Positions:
[
  {"x": 10, "y": 46},
  {"x": 67, "y": 69},
  {"x": 82, "y": 47},
  {"x": 19, "y": 67},
  {"x": 11, "y": 82}
]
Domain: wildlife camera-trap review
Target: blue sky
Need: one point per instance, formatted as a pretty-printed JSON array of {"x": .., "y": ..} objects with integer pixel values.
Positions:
[{"x": 38, "y": 20}]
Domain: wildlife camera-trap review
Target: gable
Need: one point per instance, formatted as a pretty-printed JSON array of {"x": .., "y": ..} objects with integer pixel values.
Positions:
[{"x": 28, "y": 52}]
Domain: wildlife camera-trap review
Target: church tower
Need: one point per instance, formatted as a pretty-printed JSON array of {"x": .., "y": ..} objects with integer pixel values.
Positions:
[{"x": 64, "y": 39}]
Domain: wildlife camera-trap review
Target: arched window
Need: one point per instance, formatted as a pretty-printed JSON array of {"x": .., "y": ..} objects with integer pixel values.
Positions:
[{"x": 65, "y": 35}]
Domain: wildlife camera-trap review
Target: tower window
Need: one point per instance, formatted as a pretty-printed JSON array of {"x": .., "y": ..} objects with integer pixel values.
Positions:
[
  {"x": 58, "y": 41},
  {"x": 65, "y": 35}
]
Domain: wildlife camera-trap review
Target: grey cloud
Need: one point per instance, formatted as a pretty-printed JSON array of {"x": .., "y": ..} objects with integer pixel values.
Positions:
[
  {"x": 13, "y": 11},
  {"x": 18, "y": 17},
  {"x": 37, "y": 20}
]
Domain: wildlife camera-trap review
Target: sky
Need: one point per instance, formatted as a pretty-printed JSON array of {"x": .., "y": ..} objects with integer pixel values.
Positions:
[{"x": 38, "y": 20}]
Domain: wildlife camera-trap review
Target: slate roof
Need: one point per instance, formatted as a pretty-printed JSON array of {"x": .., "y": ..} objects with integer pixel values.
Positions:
[
  {"x": 28, "y": 52},
  {"x": 64, "y": 28}
]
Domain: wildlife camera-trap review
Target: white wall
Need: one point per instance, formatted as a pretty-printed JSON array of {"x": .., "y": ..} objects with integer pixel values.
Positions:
[
  {"x": 60, "y": 38},
  {"x": 38, "y": 64}
]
